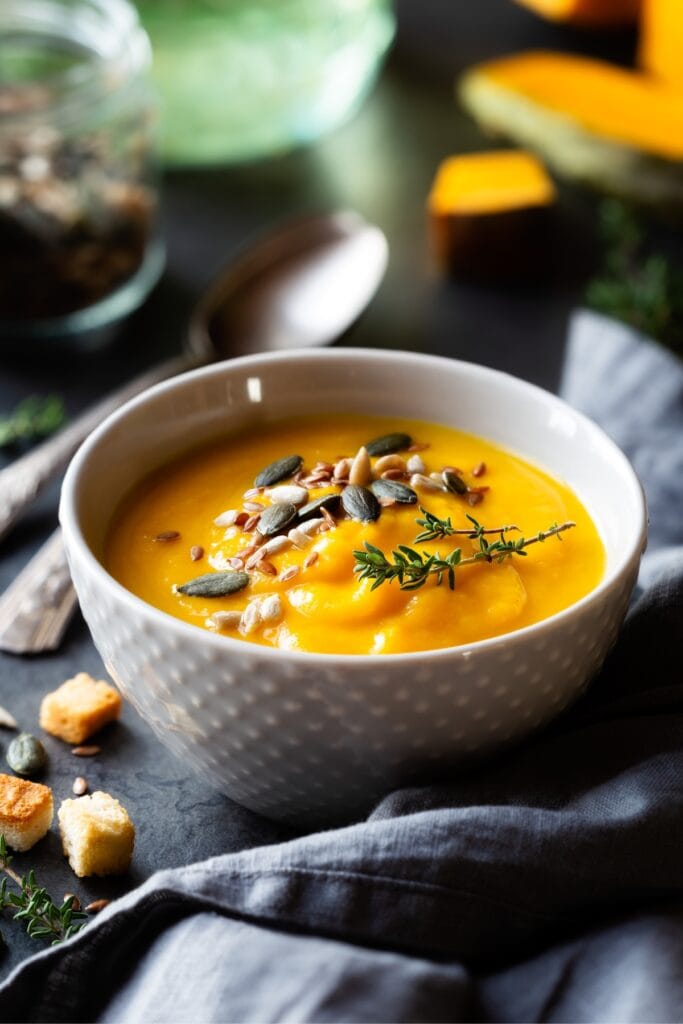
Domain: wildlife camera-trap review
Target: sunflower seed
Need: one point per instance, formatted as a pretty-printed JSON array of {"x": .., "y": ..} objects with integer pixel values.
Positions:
[
  {"x": 311, "y": 526},
  {"x": 295, "y": 495},
  {"x": 289, "y": 573},
  {"x": 298, "y": 538},
  {"x": 281, "y": 469},
  {"x": 266, "y": 567},
  {"x": 253, "y": 506},
  {"x": 79, "y": 786},
  {"x": 251, "y": 522},
  {"x": 276, "y": 518},
  {"x": 311, "y": 559},
  {"x": 7, "y": 721},
  {"x": 416, "y": 465},
  {"x": 389, "y": 462},
  {"x": 393, "y": 489},
  {"x": 251, "y": 617},
  {"x": 387, "y": 444},
  {"x": 341, "y": 470},
  {"x": 96, "y": 906},
  {"x": 425, "y": 482},
  {"x": 318, "y": 506},
  {"x": 26, "y": 755},
  {"x": 225, "y": 620},
  {"x": 454, "y": 483},
  {"x": 361, "y": 470},
  {"x": 360, "y": 504},
  {"x": 215, "y": 584},
  {"x": 275, "y": 545},
  {"x": 228, "y": 518},
  {"x": 271, "y": 608}
]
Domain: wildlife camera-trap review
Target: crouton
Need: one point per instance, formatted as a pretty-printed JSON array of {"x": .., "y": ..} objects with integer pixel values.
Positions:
[
  {"x": 78, "y": 708},
  {"x": 26, "y": 811},
  {"x": 97, "y": 835}
]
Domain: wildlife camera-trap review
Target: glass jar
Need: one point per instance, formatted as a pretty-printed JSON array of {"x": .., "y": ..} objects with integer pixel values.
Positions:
[
  {"x": 79, "y": 238},
  {"x": 245, "y": 78}
]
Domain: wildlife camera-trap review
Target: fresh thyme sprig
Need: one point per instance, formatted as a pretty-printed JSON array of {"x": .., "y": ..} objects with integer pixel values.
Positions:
[
  {"x": 634, "y": 284},
  {"x": 412, "y": 568},
  {"x": 33, "y": 904},
  {"x": 33, "y": 418},
  {"x": 435, "y": 528}
]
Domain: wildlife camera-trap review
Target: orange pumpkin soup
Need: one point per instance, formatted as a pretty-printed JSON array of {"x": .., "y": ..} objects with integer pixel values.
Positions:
[{"x": 427, "y": 538}]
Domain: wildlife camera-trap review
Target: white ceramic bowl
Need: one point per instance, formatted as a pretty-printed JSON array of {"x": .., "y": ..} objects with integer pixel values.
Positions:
[{"x": 309, "y": 737}]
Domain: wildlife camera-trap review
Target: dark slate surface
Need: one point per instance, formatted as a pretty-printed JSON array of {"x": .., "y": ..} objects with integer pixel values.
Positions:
[{"x": 381, "y": 164}]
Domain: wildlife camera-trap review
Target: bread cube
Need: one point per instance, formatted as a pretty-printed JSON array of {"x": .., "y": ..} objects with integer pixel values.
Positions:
[
  {"x": 79, "y": 707},
  {"x": 26, "y": 811},
  {"x": 97, "y": 835}
]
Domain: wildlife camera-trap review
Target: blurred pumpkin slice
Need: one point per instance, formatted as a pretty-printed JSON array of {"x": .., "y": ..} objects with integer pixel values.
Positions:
[
  {"x": 616, "y": 130},
  {"x": 488, "y": 215},
  {"x": 590, "y": 13}
]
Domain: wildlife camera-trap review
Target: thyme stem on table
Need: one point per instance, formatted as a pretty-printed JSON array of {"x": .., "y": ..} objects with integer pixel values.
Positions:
[
  {"x": 33, "y": 904},
  {"x": 413, "y": 568},
  {"x": 32, "y": 419}
]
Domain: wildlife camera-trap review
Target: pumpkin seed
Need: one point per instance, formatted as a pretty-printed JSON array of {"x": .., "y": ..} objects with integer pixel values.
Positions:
[
  {"x": 26, "y": 755},
  {"x": 361, "y": 504},
  {"x": 393, "y": 489},
  {"x": 453, "y": 482},
  {"x": 281, "y": 469},
  {"x": 215, "y": 584},
  {"x": 276, "y": 518},
  {"x": 387, "y": 444},
  {"x": 315, "y": 507}
]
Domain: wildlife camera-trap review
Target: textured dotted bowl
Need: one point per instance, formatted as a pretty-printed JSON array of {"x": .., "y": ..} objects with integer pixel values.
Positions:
[{"x": 306, "y": 737}]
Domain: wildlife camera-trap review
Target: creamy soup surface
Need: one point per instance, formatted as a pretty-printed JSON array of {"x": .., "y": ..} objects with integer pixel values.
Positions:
[{"x": 176, "y": 526}]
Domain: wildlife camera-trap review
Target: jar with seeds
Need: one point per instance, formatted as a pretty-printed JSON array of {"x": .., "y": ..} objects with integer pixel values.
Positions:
[{"x": 79, "y": 243}]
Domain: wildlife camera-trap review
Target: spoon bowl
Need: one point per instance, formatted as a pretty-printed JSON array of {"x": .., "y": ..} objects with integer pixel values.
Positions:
[{"x": 300, "y": 287}]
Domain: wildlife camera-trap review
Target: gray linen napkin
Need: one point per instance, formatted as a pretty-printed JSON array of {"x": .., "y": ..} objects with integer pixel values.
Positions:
[{"x": 546, "y": 885}]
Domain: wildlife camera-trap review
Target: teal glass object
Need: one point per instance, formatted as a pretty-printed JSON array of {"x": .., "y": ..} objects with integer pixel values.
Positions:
[{"x": 241, "y": 79}]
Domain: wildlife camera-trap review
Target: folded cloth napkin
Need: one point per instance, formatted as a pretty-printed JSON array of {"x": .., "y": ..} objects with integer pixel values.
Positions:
[{"x": 547, "y": 885}]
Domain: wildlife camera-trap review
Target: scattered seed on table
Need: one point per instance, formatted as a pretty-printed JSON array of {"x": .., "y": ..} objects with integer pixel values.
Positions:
[
  {"x": 167, "y": 535},
  {"x": 75, "y": 902},
  {"x": 86, "y": 751},
  {"x": 7, "y": 721},
  {"x": 26, "y": 755},
  {"x": 196, "y": 552},
  {"x": 80, "y": 786},
  {"x": 96, "y": 906}
]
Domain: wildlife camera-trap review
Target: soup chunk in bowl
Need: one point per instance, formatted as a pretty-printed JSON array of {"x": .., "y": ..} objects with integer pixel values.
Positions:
[{"x": 264, "y": 551}]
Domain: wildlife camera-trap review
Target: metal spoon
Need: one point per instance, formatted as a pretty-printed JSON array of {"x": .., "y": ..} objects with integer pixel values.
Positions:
[{"x": 301, "y": 286}]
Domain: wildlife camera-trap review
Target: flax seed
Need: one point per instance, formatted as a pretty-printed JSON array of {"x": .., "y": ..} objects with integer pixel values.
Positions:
[
  {"x": 311, "y": 559},
  {"x": 167, "y": 536},
  {"x": 289, "y": 573},
  {"x": 196, "y": 552},
  {"x": 479, "y": 469}
]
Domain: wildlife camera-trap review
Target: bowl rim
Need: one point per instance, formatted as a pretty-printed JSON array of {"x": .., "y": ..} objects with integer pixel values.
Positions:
[{"x": 73, "y": 534}]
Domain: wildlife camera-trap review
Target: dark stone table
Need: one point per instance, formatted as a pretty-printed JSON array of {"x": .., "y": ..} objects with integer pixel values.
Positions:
[{"x": 381, "y": 164}]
